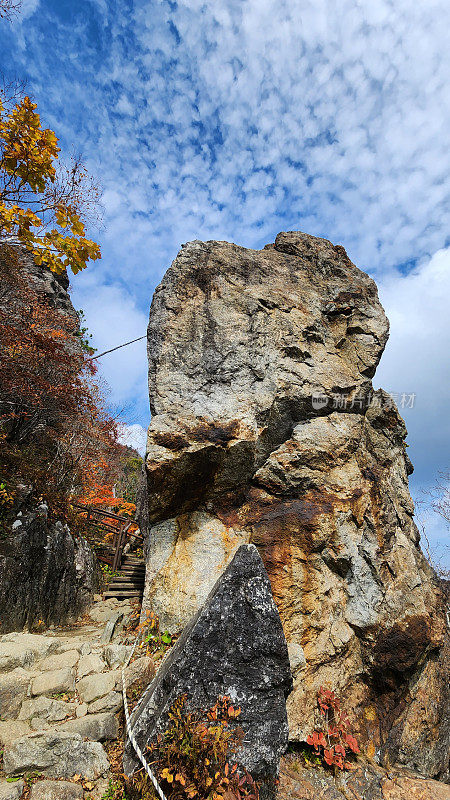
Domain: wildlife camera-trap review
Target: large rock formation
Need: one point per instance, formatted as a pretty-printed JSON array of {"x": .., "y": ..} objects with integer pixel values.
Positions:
[
  {"x": 46, "y": 574},
  {"x": 368, "y": 782},
  {"x": 266, "y": 429},
  {"x": 234, "y": 647}
]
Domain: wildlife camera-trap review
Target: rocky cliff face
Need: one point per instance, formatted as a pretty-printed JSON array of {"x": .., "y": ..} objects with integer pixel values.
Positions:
[
  {"x": 45, "y": 573},
  {"x": 266, "y": 429}
]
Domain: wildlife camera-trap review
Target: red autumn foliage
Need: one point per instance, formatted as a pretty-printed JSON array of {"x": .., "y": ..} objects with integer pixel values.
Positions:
[
  {"x": 194, "y": 757},
  {"x": 56, "y": 434},
  {"x": 334, "y": 741}
]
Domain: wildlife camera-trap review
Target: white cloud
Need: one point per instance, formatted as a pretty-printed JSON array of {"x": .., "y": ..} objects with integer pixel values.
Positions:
[
  {"x": 416, "y": 360},
  {"x": 133, "y": 436},
  {"x": 237, "y": 119},
  {"x": 28, "y": 7}
]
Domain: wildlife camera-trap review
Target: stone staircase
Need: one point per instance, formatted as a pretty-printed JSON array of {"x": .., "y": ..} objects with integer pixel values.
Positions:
[
  {"x": 60, "y": 697},
  {"x": 129, "y": 581}
]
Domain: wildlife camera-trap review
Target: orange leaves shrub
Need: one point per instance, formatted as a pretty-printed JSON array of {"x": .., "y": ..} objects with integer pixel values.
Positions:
[
  {"x": 100, "y": 493},
  {"x": 192, "y": 757},
  {"x": 333, "y": 740}
]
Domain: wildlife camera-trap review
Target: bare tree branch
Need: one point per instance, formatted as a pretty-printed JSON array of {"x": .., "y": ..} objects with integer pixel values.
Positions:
[{"x": 9, "y": 7}]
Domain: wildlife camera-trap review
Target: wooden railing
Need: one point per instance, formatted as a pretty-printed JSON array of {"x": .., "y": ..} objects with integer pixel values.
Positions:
[{"x": 119, "y": 533}]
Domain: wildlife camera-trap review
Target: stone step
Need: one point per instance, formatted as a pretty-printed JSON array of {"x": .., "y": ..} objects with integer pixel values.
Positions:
[
  {"x": 124, "y": 584},
  {"x": 123, "y": 593},
  {"x": 127, "y": 571},
  {"x": 133, "y": 569}
]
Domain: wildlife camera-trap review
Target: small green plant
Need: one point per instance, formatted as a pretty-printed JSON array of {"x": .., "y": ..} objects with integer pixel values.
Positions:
[
  {"x": 108, "y": 572},
  {"x": 305, "y": 755},
  {"x": 115, "y": 791},
  {"x": 154, "y": 641},
  {"x": 65, "y": 696},
  {"x": 84, "y": 335},
  {"x": 6, "y": 499},
  {"x": 31, "y": 776}
]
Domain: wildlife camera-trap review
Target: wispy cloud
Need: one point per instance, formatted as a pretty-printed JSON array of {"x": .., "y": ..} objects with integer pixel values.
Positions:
[
  {"x": 134, "y": 436},
  {"x": 27, "y": 8},
  {"x": 237, "y": 119},
  {"x": 234, "y": 120},
  {"x": 416, "y": 362}
]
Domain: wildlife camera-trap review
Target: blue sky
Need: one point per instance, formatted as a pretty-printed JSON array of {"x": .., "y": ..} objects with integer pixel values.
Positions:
[{"x": 237, "y": 119}]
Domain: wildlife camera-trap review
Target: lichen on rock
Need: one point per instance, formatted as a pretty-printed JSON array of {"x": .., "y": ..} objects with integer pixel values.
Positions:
[
  {"x": 234, "y": 647},
  {"x": 47, "y": 575},
  {"x": 266, "y": 429}
]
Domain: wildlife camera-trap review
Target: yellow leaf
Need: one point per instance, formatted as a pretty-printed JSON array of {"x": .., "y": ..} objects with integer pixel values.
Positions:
[{"x": 370, "y": 750}]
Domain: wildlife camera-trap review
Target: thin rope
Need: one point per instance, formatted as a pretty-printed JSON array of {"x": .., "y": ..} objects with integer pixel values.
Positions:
[
  {"x": 129, "y": 729},
  {"x": 92, "y": 358}
]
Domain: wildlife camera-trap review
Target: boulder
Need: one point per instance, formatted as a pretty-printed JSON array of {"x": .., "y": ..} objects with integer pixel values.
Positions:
[
  {"x": 45, "y": 708},
  {"x": 13, "y": 729},
  {"x": 140, "y": 671},
  {"x": 97, "y": 685},
  {"x": 266, "y": 429},
  {"x": 56, "y": 754},
  {"x": 74, "y": 643},
  {"x": 90, "y": 663},
  {"x": 110, "y": 627},
  {"x": 22, "y": 649},
  {"x": 117, "y": 654},
  {"x": 11, "y": 791},
  {"x": 56, "y": 790},
  {"x": 66, "y": 659},
  {"x": 13, "y": 689},
  {"x": 97, "y": 727},
  {"x": 103, "y": 612},
  {"x": 54, "y": 682},
  {"x": 366, "y": 782},
  {"x": 236, "y": 641},
  {"x": 111, "y": 702},
  {"x": 45, "y": 573}
]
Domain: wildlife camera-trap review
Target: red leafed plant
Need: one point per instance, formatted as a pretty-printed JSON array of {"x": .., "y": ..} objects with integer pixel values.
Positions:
[{"x": 333, "y": 742}]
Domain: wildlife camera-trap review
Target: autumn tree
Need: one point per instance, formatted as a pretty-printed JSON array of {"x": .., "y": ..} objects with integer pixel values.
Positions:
[
  {"x": 128, "y": 474},
  {"x": 56, "y": 433},
  {"x": 43, "y": 203},
  {"x": 54, "y": 427}
]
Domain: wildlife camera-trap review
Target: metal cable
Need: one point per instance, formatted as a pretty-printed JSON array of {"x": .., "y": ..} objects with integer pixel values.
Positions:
[{"x": 129, "y": 729}]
